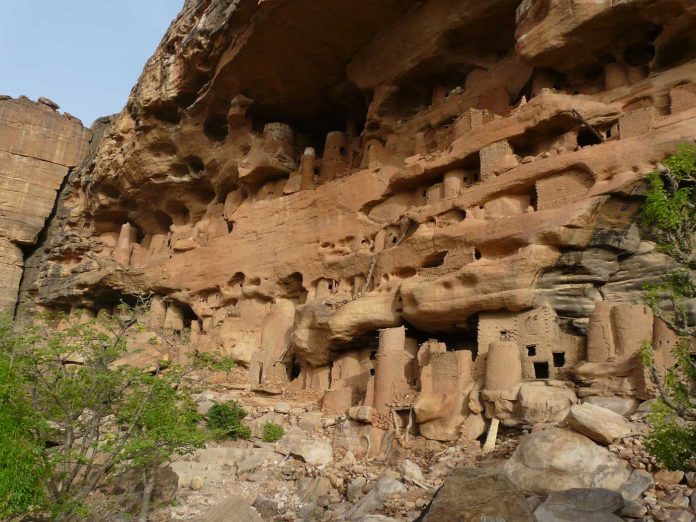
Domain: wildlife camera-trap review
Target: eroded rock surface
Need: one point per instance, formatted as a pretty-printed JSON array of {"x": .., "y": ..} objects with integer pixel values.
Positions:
[
  {"x": 408, "y": 222},
  {"x": 38, "y": 148},
  {"x": 472, "y": 495},
  {"x": 420, "y": 214}
]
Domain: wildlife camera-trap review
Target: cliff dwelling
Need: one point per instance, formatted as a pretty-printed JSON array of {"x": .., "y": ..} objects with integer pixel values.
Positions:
[{"x": 418, "y": 222}]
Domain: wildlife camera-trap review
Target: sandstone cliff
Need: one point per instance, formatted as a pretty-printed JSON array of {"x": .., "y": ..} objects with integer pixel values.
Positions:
[
  {"x": 425, "y": 208},
  {"x": 38, "y": 148}
]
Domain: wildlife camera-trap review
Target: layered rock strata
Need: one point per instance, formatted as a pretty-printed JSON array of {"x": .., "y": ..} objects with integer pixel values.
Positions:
[
  {"x": 38, "y": 148},
  {"x": 424, "y": 209}
]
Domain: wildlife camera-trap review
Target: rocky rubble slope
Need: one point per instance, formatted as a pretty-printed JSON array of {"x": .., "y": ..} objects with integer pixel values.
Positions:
[{"x": 541, "y": 472}]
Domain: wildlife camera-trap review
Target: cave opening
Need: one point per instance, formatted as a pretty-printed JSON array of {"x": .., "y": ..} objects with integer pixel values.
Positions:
[
  {"x": 312, "y": 130},
  {"x": 587, "y": 137},
  {"x": 462, "y": 336},
  {"x": 294, "y": 369},
  {"x": 541, "y": 370}
]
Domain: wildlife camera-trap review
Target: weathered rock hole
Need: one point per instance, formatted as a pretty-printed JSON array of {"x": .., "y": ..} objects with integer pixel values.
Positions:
[
  {"x": 237, "y": 280},
  {"x": 178, "y": 212},
  {"x": 167, "y": 112},
  {"x": 179, "y": 170},
  {"x": 434, "y": 260},
  {"x": 215, "y": 128},
  {"x": 195, "y": 164}
]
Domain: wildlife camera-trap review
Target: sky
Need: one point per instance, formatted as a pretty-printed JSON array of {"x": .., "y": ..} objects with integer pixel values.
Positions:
[{"x": 85, "y": 55}]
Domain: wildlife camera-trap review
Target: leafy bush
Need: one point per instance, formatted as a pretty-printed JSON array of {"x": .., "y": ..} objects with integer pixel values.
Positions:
[
  {"x": 72, "y": 417},
  {"x": 212, "y": 361},
  {"x": 672, "y": 441},
  {"x": 225, "y": 418},
  {"x": 669, "y": 218},
  {"x": 272, "y": 432}
]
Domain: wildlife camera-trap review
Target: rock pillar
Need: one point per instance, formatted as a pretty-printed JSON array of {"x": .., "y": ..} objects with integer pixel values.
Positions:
[
  {"x": 157, "y": 314},
  {"x": 333, "y": 163},
  {"x": 122, "y": 251},
  {"x": 174, "y": 318},
  {"x": 633, "y": 325},
  {"x": 600, "y": 336},
  {"x": 307, "y": 169},
  {"x": 390, "y": 377},
  {"x": 503, "y": 366}
]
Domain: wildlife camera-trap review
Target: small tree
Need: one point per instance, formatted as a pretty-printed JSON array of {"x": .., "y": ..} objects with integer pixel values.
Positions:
[
  {"x": 669, "y": 218},
  {"x": 72, "y": 416}
]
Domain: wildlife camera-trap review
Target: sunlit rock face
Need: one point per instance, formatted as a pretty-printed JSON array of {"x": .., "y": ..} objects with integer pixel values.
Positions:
[
  {"x": 391, "y": 202},
  {"x": 38, "y": 148}
]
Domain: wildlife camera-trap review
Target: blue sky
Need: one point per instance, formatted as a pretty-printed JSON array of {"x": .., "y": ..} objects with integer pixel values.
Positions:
[{"x": 85, "y": 55}]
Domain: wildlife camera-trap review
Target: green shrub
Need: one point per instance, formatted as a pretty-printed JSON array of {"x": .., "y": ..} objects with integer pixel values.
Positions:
[
  {"x": 669, "y": 219},
  {"x": 225, "y": 418},
  {"x": 55, "y": 418},
  {"x": 272, "y": 432}
]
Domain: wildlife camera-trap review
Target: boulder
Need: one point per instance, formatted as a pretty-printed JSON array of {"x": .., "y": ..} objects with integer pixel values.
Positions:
[
  {"x": 362, "y": 413},
  {"x": 282, "y": 407},
  {"x": 266, "y": 507},
  {"x": 666, "y": 476},
  {"x": 314, "y": 452},
  {"x": 232, "y": 509},
  {"x": 355, "y": 489},
  {"x": 541, "y": 402},
  {"x": 557, "y": 459},
  {"x": 572, "y": 505},
  {"x": 622, "y": 405},
  {"x": 472, "y": 495},
  {"x": 383, "y": 489},
  {"x": 639, "y": 481},
  {"x": 310, "y": 421},
  {"x": 598, "y": 423},
  {"x": 411, "y": 471}
]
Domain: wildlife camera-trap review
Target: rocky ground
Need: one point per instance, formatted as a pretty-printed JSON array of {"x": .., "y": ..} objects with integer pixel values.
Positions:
[{"x": 318, "y": 471}]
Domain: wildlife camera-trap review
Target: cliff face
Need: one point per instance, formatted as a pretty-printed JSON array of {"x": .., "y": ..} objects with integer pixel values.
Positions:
[
  {"x": 38, "y": 147},
  {"x": 395, "y": 203}
]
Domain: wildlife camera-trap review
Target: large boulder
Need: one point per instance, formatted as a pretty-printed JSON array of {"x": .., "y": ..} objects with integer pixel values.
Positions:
[
  {"x": 374, "y": 500},
  {"x": 557, "y": 459},
  {"x": 541, "y": 401},
  {"x": 600, "y": 424},
  {"x": 314, "y": 452},
  {"x": 622, "y": 405},
  {"x": 598, "y": 505},
  {"x": 232, "y": 509},
  {"x": 472, "y": 495}
]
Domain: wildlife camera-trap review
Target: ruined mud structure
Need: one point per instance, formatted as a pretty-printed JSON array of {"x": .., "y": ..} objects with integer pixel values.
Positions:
[{"x": 424, "y": 213}]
